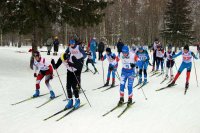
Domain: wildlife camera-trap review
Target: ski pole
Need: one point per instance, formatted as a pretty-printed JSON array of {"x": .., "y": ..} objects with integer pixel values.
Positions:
[
  {"x": 195, "y": 72},
  {"x": 103, "y": 73},
  {"x": 118, "y": 75},
  {"x": 81, "y": 87},
  {"x": 61, "y": 84},
  {"x": 144, "y": 94}
]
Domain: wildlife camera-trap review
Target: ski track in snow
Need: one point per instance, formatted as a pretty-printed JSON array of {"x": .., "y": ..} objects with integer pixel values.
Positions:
[{"x": 167, "y": 111}]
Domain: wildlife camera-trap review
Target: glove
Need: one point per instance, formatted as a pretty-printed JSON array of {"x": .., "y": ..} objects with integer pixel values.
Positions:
[
  {"x": 113, "y": 57},
  {"x": 74, "y": 59},
  {"x": 132, "y": 65},
  {"x": 71, "y": 64},
  {"x": 35, "y": 75},
  {"x": 170, "y": 57},
  {"x": 53, "y": 63}
]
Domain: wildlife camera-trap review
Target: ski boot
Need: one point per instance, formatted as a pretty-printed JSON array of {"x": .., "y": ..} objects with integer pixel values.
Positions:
[
  {"x": 162, "y": 71},
  {"x": 121, "y": 101},
  {"x": 172, "y": 77},
  {"x": 166, "y": 76},
  {"x": 171, "y": 84},
  {"x": 77, "y": 103},
  {"x": 52, "y": 95},
  {"x": 69, "y": 104},
  {"x": 186, "y": 85},
  {"x": 95, "y": 71},
  {"x": 37, "y": 93},
  {"x": 129, "y": 102},
  {"x": 145, "y": 81},
  {"x": 86, "y": 70},
  {"x": 140, "y": 81},
  {"x": 107, "y": 83},
  {"x": 113, "y": 84}
]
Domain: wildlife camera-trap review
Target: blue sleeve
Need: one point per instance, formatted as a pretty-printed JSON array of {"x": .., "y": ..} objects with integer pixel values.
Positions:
[
  {"x": 83, "y": 52},
  {"x": 176, "y": 55},
  {"x": 104, "y": 57},
  {"x": 194, "y": 56}
]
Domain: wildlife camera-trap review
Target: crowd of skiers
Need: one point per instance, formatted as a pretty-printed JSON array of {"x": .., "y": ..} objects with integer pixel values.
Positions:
[{"x": 135, "y": 62}]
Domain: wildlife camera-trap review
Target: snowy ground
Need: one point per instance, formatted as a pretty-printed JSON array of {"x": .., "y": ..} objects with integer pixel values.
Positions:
[{"x": 167, "y": 111}]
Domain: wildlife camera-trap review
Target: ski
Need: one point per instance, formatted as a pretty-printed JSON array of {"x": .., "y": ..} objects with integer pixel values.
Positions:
[
  {"x": 48, "y": 101},
  {"x": 109, "y": 88},
  {"x": 127, "y": 107},
  {"x": 165, "y": 87},
  {"x": 154, "y": 74},
  {"x": 159, "y": 75},
  {"x": 100, "y": 87},
  {"x": 163, "y": 80},
  {"x": 170, "y": 81},
  {"x": 136, "y": 85},
  {"x": 143, "y": 85},
  {"x": 113, "y": 109},
  {"x": 72, "y": 110},
  {"x": 30, "y": 98},
  {"x": 55, "y": 114}
]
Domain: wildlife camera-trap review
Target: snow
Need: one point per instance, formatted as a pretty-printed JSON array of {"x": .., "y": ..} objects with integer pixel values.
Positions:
[{"x": 167, "y": 111}]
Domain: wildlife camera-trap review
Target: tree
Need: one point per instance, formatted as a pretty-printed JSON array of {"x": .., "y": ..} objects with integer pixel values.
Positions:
[
  {"x": 33, "y": 16},
  {"x": 177, "y": 22}
]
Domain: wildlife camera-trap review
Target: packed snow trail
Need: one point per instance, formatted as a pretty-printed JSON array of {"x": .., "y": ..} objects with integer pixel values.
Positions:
[{"x": 167, "y": 111}]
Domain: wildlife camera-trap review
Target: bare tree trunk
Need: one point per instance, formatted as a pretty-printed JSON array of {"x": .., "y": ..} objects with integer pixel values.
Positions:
[{"x": 1, "y": 38}]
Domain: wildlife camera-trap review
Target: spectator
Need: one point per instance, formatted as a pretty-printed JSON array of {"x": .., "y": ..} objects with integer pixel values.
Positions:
[
  {"x": 93, "y": 47},
  {"x": 120, "y": 44},
  {"x": 56, "y": 45},
  {"x": 101, "y": 47}
]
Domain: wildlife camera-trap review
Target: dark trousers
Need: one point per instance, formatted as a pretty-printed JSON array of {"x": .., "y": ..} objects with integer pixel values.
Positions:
[
  {"x": 72, "y": 83},
  {"x": 154, "y": 59},
  {"x": 90, "y": 61},
  {"x": 100, "y": 55}
]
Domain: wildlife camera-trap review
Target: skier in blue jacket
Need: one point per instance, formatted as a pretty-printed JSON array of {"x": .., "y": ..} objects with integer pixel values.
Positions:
[
  {"x": 143, "y": 61},
  {"x": 186, "y": 64}
]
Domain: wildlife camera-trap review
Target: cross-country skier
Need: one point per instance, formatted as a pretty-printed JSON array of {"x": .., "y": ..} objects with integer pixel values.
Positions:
[
  {"x": 169, "y": 62},
  {"x": 142, "y": 63},
  {"x": 128, "y": 63},
  {"x": 73, "y": 60},
  {"x": 160, "y": 58},
  {"x": 90, "y": 60},
  {"x": 45, "y": 69},
  {"x": 113, "y": 64},
  {"x": 155, "y": 44},
  {"x": 186, "y": 64}
]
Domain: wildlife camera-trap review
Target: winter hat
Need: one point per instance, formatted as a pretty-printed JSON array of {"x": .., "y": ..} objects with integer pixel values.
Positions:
[
  {"x": 36, "y": 53},
  {"x": 125, "y": 49},
  {"x": 186, "y": 47},
  {"x": 140, "y": 48},
  {"x": 108, "y": 50},
  {"x": 169, "y": 46},
  {"x": 72, "y": 42}
]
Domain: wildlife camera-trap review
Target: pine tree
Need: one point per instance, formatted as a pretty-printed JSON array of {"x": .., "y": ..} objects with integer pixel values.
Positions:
[{"x": 177, "y": 22}]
